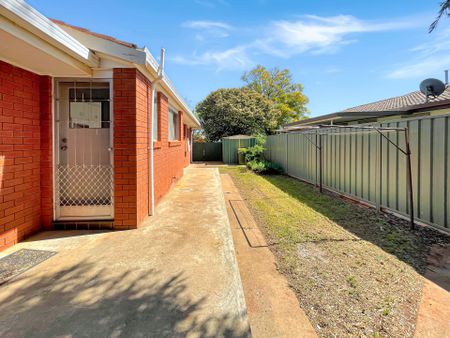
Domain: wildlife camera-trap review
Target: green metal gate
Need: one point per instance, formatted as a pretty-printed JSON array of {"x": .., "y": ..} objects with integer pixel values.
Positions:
[{"x": 207, "y": 151}]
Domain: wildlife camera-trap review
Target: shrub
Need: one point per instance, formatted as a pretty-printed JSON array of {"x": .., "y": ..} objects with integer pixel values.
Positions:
[
  {"x": 256, "y": 153},
  {"x": 254, "y": 157},
  {"x": 264, "y": 167},
  {"x": 257, "y": 166}
]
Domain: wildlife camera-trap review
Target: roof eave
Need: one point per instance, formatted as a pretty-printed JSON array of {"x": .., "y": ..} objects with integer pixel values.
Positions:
[
  {"x": 340, "y": 116},
  {"x": 27, "y": 17}
]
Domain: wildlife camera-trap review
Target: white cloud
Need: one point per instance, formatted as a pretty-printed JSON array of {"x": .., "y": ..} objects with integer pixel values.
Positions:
[
  {"x": 321, "y": 34},
  {"x": 205, "y": 24},
  {"x": 429, "y": 58},
  {"x": 284, "y": 38},
  {"x": 422, "y": 68},
  {"x": 208, "y": 29},
  {"x": 231, "y": 59}
]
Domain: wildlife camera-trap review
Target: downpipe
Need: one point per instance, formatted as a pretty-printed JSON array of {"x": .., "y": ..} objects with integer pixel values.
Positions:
[{"x": 152, "y": 178}]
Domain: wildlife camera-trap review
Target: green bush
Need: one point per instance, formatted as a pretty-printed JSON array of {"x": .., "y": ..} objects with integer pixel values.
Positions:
[
  {"x": 256, "y": 153},
  {"x": 242, "y": 151},
  {"x": 264, "y": 167},
  {"x": 257, "y": 167},
  {"x": 254, "y": 157}
]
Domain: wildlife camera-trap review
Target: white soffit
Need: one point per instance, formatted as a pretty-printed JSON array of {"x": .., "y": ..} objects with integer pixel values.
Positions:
[{"x": 25, "y": 16}]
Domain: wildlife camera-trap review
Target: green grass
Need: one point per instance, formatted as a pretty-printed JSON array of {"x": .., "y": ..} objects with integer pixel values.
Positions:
[{"x": 343, "y": 261}]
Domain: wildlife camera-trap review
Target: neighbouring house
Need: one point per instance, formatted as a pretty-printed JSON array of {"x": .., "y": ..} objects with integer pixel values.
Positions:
[
  {"x": 410, "y": 105},
  {"x": 367, "y": 166},
  {"x": 78, "y": 111}
]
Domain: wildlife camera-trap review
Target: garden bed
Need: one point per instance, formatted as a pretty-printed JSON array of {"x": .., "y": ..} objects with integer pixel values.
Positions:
[{"x": 356, "y": 272}]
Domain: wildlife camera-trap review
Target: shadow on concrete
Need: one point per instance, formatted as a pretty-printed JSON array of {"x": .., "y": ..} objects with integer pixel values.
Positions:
[
  {"x": 390, "y": 233},
  {"x": 84, "y": 301}
]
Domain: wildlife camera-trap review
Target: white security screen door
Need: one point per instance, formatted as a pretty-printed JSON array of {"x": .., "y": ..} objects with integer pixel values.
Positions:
[{"x": 83, "y": 154}]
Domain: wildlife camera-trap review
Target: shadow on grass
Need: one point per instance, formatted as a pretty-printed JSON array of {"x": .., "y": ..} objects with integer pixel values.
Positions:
[
  {"x": 386, "y": 231},
  {"x": 84, "y": 301}
]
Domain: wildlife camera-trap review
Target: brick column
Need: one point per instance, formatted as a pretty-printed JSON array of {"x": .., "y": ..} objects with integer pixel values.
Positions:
[
  {"x": 132, "y": 99},
  {"x": 46, "y": 147}
]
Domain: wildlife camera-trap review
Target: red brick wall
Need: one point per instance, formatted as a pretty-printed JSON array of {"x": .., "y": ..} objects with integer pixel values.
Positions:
[
  {"x": 46, "y": 165},
  {"x": 171, "y": 157},
  {"x": 132, "y": 109},
  {"x": 143, "y": 111},
  {"x": 25, "y": 99},
  {"x": 132, "y": 98}
]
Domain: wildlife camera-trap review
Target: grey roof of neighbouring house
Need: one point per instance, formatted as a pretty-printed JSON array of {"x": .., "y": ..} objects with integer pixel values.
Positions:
[
  {"x": 238, "y": 137},
  {"x": 408, "y": 103},
  {"x": 399, "y": 102}
]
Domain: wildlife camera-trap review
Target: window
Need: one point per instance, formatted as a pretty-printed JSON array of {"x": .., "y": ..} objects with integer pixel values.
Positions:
[
  {"x": 174, "y": 127},
  {"x": 155, "y": 118},
  {"x": 89, "y": 107}
]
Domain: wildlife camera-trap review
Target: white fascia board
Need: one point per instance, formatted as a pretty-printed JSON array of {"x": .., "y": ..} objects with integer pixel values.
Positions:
[
  {"x": 22, "y": 14},
  {"x": 107, "y": 47},
  {"x": 33, "y": 40},
  {"x": 152, "y": 65}
]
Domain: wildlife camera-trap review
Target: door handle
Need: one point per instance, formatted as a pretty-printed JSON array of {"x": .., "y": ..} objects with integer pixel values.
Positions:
[{"x": 63, "y": 148}]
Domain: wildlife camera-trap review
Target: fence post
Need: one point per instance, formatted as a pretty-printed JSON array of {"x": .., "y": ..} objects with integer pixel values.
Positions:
[
  {"x": 380, "y": 173},
  {"x": 287, "y": 153},
  {"x": 317, "y": 159},
  {"x": 409, "y": 177},
  {"x": 320, "y": 163}
]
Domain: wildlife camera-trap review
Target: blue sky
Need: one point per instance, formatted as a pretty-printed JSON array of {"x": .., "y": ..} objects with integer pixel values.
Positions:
[{"x": 344, "y": 52}]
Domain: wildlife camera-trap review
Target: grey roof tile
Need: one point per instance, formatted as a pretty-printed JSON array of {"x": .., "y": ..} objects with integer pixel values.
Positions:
[{"x": 399, "y": 102}]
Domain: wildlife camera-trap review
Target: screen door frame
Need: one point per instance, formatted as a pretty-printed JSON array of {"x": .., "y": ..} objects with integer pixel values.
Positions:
[{"x": 83, "y": 212}]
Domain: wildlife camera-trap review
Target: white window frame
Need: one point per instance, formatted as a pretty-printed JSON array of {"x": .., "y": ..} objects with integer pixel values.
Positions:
[{"x": 174, "y": 124}]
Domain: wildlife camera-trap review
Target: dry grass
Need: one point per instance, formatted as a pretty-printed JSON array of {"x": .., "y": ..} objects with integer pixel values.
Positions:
[{"x": 356, "y": 272}]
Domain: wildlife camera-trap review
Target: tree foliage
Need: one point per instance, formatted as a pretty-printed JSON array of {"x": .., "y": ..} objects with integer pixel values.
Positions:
[
  {"x": 289, "y": 102},
  {"x": 234, "y": 111},
  {"x": 443, "y": 11}
]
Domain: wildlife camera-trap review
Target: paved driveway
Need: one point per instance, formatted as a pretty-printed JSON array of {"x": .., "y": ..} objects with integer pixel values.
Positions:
[{"x": 177, "y": 276}]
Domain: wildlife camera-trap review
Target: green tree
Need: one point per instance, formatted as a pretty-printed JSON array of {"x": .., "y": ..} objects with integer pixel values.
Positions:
[
  {"x": 289, "y": 102},
  {"x": 443, "y": 11},
  {"x": 235, "y": 111}
]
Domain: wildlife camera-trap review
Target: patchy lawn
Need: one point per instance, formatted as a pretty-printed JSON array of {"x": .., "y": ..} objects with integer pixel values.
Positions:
[{"x": 356, "y": 272}]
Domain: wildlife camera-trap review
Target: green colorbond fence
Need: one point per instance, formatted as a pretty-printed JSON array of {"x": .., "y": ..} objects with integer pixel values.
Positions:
[
  {"x": 368, "y": 167},
  {"x": 207, "y": 151},
  {"x": 230, "y": 148}
]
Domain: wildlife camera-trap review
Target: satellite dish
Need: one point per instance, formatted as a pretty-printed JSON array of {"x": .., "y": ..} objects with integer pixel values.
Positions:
[{"x": 432, "y": 87}]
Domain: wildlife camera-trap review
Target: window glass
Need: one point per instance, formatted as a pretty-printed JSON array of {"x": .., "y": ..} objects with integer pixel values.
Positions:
[
  {"x": 89, "y": 108},
  {"x": 174, "y": 128},
  {"x": 155, "y": 118}
]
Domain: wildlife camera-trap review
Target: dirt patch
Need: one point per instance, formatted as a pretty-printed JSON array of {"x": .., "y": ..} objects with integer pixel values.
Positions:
[{"x": 356, "y": 272}]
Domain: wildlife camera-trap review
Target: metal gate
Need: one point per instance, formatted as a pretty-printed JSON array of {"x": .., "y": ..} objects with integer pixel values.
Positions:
[
  {"x": 207, "y": 151},
  {"x": 83, "y": 150}
]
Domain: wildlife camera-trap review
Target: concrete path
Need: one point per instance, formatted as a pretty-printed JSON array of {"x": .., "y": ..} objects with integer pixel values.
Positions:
[
  {"x": 433, "y": 318},
  {"x": 175, "y": 277},
  {"x": 273, "y": 308}
]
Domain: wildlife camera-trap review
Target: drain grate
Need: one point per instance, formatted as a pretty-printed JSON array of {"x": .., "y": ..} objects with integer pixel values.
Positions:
[{"x": 20, "y": 261}]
